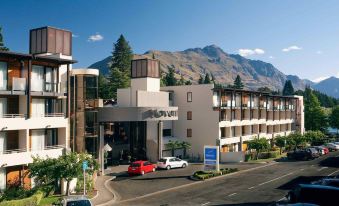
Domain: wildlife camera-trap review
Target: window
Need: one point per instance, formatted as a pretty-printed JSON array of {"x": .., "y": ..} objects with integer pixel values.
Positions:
[
  {"x": 189, "y": 115},
  {"x": 167, "y": 132},
  {"x": 189, "y": 132},
  {"x": 189, "y": 96},
  {"x": 3, "y": 76},
  {"x": 170, "y": 96}
]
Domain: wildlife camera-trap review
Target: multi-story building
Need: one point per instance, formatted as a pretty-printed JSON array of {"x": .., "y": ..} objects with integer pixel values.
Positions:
[
  {"x": 228, "y": 117},
  {"x": 34, "y": 103}
]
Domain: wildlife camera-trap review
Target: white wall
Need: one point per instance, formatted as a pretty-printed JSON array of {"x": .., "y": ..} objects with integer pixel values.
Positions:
[
  {"x": 124, "y": 97},
  {"x": 204, "y": 123}
]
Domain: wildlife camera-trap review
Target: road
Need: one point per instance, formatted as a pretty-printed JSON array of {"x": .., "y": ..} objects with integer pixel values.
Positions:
[{"x": 262, "y": 186}]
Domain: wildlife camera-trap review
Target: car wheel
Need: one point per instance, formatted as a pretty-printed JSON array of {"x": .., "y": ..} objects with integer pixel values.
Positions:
[
  {"x": 142, "y": 172},
  {"x": 184, "y": 165},
  {"x": 168, "y": 167},
  {"x": 153, "y": 169}
]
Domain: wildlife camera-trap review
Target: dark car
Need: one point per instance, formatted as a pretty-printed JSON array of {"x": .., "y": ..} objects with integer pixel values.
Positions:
[
  {"x": 314, "y": 194},
  {"x": 334, "y": 182},
  {"x": 303, "y": 154}
]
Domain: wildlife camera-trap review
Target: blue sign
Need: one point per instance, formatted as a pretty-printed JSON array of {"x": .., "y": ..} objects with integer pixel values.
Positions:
[
  {"x": 84, "y": 165},
  {"x": 210, "y": 154},
  {"x": 210, "y": 162}
]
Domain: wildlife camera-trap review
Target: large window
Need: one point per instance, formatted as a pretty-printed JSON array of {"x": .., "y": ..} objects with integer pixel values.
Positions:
[
  {"x": 91, "y": 122},
  {"x": 167, "y": 132},
  {"x": 91, "y": 87},
  {"x": 3, "y": 76}
]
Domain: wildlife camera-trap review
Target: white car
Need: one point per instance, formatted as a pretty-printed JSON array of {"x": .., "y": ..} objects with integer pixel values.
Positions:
[
  {"x": 332, "y": 146},
  {"x": 171, "y": 162}
]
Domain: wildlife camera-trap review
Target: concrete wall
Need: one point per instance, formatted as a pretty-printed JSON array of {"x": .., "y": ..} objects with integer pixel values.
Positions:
[
  {"x": 204, "y": 123},
  {"x": 152, "y": 141},
  {"x": 232, "y": 156}
]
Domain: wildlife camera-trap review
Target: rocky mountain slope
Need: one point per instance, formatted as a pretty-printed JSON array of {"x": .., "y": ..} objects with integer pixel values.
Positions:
[{"x": 328, "y": 86}]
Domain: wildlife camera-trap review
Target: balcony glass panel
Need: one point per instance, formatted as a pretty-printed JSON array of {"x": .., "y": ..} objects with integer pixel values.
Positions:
[
  {"x": 3, "y": 107},
  {"x": 3, "y": 76},
  {"x": 37, "y": 79},
  {"x": 19, "y": 84}
]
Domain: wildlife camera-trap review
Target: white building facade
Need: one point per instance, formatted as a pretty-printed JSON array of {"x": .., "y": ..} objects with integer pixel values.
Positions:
[{"x": 34, "y": 104}]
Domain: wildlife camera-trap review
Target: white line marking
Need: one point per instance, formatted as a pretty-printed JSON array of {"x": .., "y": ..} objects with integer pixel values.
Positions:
[
  {"x": 312, "y": 165},
  {"x": 251, "y": 188},
  {"x": 322, "y": 168},
  {"x": 333, "y": 173},
  {"x": 206, "y": 203},
  {"x": 232, "y": 194},
  {"x": 282, "y": 199},
  {"x": 275, "y": 179},
  {"x": 301, "y": 169}
]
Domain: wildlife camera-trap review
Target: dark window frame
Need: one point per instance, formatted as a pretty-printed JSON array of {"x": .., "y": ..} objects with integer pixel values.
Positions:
[
  {"x": 189, "y": 132},
  {"x": 189, "y": 115},
  {"x": 189, "y": 96}
]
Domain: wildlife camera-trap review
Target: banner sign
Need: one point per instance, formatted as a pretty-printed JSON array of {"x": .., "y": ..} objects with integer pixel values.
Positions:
[{"x": 211, "y": 157}]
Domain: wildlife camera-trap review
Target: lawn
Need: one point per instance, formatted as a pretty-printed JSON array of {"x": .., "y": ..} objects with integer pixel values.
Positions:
[{"x": 47, "y": 201}]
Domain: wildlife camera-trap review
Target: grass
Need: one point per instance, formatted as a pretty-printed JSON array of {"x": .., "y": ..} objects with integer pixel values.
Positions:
[
  {"x": 268, "y": 159},
  {"x": 47, "y": 201}
]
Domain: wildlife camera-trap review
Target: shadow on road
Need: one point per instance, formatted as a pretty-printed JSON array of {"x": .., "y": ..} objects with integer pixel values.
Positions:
[
  {"x": 330, "y": 162},
  {"x": 299, "y": 180}
]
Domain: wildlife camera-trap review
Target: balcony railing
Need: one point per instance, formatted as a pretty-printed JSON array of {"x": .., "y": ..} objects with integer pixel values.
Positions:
[
  {"x": 55, "y": 115},
  {"x": 13, "y": 151},
  {"x": 19, "y": 84},
  {"x": 13, "y": 116}
]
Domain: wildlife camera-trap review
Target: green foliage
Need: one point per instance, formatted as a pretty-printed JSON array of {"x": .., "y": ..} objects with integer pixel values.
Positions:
[
  {"x": 105, "y": 89},
  {"x": 207, "y": 79},
  {"x": 325, "y": 100},
  {"x": 288, "y": 88},
  {"x": 238, "y": 83},
  {"x": 121, "y": 65},
  {"x": 295, "y": 140},
  {"x": 315, "y": 118},
  {"x": 188, "y": 82},
  {"x": 201, "y": 80},
  {"x": 258, "y": 144},
  {"x": 264, "y": 89},
  {"x": 202, "y": 175},
  {"x": 2, "y": 44},
  {"x": 181, "y": 81},
  {"x": 334, "y": 118},
  {"x": 33, "y": 200},
  {"x": 315, "y": 138},
  {"x": 280, "y": 141},
  {"x": 170, "y": 77}
]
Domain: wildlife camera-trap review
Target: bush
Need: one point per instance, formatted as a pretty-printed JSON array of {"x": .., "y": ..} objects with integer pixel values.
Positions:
[
  {"x": 34, "y": 200},
  {"x": 248, "y": 157},
  {"x": 202, "y": 175},
  {"x": 267, "y": 155}
]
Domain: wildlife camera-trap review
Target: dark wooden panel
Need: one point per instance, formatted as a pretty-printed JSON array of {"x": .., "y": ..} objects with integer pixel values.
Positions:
[{"x": 51, "y": 40}]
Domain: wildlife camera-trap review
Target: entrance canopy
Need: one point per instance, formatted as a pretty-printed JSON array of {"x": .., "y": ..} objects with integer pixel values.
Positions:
[{"x": 128, "y": 114}]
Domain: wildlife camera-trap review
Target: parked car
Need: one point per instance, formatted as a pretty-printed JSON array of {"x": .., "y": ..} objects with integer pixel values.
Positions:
[
  {"x": 74, "y": 201},
  {"x": 334, "y": 182},
  {"x": 140, "y": 168},
  {"x": 303, "y": 154},
  {"x": 321, "y": 150},
  {"x": 314, "y": 194},
  {"x": 332, "y": 146},
  {"x": 171, "y": 162}
]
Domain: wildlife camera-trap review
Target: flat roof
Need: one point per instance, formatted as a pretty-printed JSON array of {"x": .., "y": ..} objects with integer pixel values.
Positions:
[
  {"x": 251, "y": 91},
  {"x": 23, "y": 56}
]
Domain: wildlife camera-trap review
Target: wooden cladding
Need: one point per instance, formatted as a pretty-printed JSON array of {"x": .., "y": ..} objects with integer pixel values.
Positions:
[
  {"x": 50, "y": 40},
  {"x": 141, "y": 68}
]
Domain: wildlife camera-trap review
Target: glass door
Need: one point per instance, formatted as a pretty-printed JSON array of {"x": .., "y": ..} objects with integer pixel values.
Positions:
[
  {"x": 3, "y": 142},
  {"x": 3, "y": 107},
  {"x": 38, "y": 140},
  {"x": 38, "y": 107},
  {"x": 37, "y": 78},
  {"x": 3, "y": 76}
]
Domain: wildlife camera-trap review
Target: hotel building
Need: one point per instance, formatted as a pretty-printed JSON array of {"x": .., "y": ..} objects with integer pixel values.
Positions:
[
  {"x": 34, "y": 103},
  {"x": 228, "y": 117}
]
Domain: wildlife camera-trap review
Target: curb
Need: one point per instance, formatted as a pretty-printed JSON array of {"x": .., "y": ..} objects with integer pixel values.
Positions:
[
  {"x": 194, "y": 183},
  {"x": 115, "y": 195},
  {"x": 95, "y": 196}
]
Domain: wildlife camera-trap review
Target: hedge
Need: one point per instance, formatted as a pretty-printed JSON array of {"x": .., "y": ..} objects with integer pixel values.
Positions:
[
  {"x": 202, "y": 175},
  {"x": 34, "y": 200}
]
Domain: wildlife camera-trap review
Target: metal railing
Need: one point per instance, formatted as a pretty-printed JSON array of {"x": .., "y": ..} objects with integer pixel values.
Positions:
[
  {"x": 13, "y": 116},
  {"x": 55, "y": 115},
  {"x": 14, "y": 151}
]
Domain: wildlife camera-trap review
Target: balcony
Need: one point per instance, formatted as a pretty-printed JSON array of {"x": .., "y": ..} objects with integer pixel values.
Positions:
[
  {"x": 24, "y": 156},
  {"x": 41, "y": 88},
  {"x": 18, "y": 86}
]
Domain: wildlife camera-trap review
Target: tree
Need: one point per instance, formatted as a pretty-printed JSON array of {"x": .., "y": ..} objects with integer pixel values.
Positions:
[
  {"x": 207, "y": 79},
  {"x": 334, "y": 118},
  {"x": 181, "y": 81},
  {"x": 295, "y": 140},
  {"x": 213, "y": 79},
  {"x": 104, "y": 90},
  {"x": 315, "y": 138},
  {"x": 186, "y": 146},
  {"x": 238, "y": 83},
  {"x": 172, "y": 145},
  {"x": 188, "y": 82},
  {"x": 120, "y": 65},
  {"x": 201, "y": 80},
  {"x": 259, "y": 144},
  {"x": 288, "y": 88},
  {"x": 170, "y": 78},
  {"x": 2, "y": 44},
  {"x": 315, "y": 118},
  {"x": 264, "y": 89},
  {"x": 280, "y": 141}
]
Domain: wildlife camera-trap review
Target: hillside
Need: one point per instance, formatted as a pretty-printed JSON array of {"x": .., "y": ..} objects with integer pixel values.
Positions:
[
  {"x": 192, "y": 63},
  {"x": 328, "y": 86}
]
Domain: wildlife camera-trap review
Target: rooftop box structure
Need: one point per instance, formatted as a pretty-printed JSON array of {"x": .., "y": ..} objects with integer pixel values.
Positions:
[{"x": 142, "y": 68}]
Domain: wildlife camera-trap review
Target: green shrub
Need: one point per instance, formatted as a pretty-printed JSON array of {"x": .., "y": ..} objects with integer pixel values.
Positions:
[
  {"x": 248, "y": 157},
  {"x": 34, "y": 200},
  {"x": 274, "y": 154},
  {"x": 202, "y": 175}
]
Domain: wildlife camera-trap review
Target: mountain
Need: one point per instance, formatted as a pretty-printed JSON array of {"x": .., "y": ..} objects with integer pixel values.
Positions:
[
  {"x": 328, "y": 86},
  {"x": 191, "y": 63}
]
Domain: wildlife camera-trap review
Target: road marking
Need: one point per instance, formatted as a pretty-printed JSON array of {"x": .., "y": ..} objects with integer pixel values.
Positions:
[
  {"x": 232, "y": 194},
  {"x": 206, "y": 203},
  {"x": 322, "y": 168},
  {"x": 312, "y": 165},
  {"x": 281, "y": 199},
  {"x": 275, "y": 179},
  {"x": 301, "y": 169},
  {"x": 251, "y": 188},
  {"x": 333, "y": 173}
]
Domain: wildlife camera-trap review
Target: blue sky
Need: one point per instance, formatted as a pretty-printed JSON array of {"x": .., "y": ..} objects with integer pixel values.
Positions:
[{"x": 298, "y": 37}]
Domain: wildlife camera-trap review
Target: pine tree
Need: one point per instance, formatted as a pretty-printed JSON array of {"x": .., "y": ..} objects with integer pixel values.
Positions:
[
  {"x": 170, "y": 78},
  {"x": 207, "y": 79},
  {"x": 188, "y": 82},
  {"x": 201, "y": 80},
  {"x": 2, "y": 44},
  {"x": 288, "y": 88},
  {"x": 181, "y": 81},
  {"x": 121, "y": 65},
  {"x": 104, "y": 88},
  {"x": 315, "y": 118},
  {"x": 213, "y": 79},
  {"x": 238, "y": 83},
  {"x": 335, "y": 118}
]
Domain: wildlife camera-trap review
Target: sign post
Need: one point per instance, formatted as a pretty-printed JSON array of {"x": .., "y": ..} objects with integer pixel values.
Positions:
[
  {"x": 84, "y": 168},
  {"x": 211, "y": 157}
]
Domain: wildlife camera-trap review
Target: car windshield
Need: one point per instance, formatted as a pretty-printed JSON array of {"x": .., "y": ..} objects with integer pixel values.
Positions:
[
  {"x": 79, "y": 203},
  {"x": 135, "y": 165},
  {"x": 163, "y": 160}
]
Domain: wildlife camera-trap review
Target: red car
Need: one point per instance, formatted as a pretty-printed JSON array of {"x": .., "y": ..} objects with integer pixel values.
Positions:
[{"x": 140, "y": 168}]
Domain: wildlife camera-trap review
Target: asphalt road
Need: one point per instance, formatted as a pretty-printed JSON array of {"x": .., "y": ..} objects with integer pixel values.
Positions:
[{"x": 262, "y": 186}]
